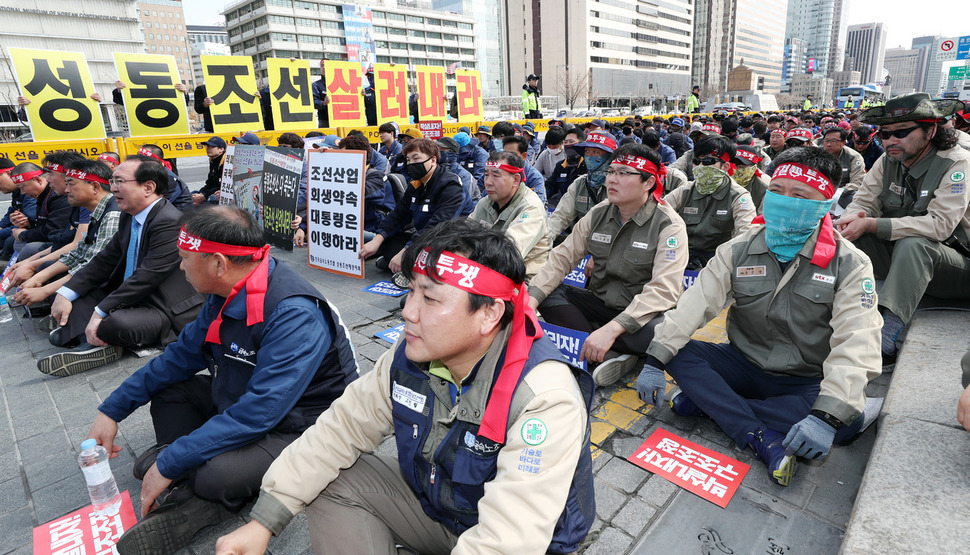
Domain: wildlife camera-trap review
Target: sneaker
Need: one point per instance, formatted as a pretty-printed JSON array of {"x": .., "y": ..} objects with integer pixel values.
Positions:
[
  {"x": 609, "y": 371},
  {"x": 767, "y": 445},
  {"x": 681, "y": 405},
  {"x": 171, "y": 526},
  {"x": 79, "y": 359},
  {"x": 145, "y": 461}
]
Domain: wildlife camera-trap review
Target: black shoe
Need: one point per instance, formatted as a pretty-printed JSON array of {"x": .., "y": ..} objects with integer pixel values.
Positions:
[
  {"x": 79, "y": 359},
  {"x": 145, "y": 461},
  {"x": 889, "y": 362},
  {"x": 57, "y": 339},
  {"x": 38, "y": 310},
  {"x": 382, "y": 264},
  {"x": 171, "y": 526}
]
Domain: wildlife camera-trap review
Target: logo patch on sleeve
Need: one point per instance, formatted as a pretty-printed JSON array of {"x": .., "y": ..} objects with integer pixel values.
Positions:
[
  {"x": 534, "y": 431},
  {"x": 868, "y": 286},
  {"x": 957, "y": 176},
  {"x": 672, "y": 242}
]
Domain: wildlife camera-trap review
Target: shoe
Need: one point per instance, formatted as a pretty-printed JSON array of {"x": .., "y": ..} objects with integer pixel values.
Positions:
[
  {"x": 767, "y": 445},
  {"x": 38, "y": 310},
  {"x": 145, "y": 461},
  {"x": 889, "y": 362},
  {"x": 400, "y": 281},
  {"x": 57, "y": 339},
  {"x": 79, "y": 359},
  {"x": 382, "y": 264},
  {"x": 681, "y": 405},
  {"x": 611, "y": 370},
  {"x": 171, "y": 526},
  {"x": 47, "y": 324}
]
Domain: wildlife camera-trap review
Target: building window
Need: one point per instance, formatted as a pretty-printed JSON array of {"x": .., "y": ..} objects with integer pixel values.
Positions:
[
  {"x": 433, "y": 35},
  {"x": 281, "y": 19},
  {"x": 414, "y": 19},
  {"x": 395, "y": 16},
  {"x": 281, "y": 3},
  {"x": 305, "y": 5},
  {"x": 307, "y": 22},
  {"x": 153, "y": 48},
  {"x": 332, "y": 24},
  {"x": 335, "y": 41},
  {"x": 154, "y": 13},
  {"x": 290, "y": 37},
  {"x": 375, "y": 14},
  {"x": 435, "y": 22},
  {"x": 311, "y": 39},
  {"x": 151, "y": 36},
  {"x": 146, "y": 12},
  {"x": 418, "y": 34}
]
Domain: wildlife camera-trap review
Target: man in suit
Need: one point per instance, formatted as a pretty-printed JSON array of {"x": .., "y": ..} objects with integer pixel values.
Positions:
[{"x": 133, "y": 293}]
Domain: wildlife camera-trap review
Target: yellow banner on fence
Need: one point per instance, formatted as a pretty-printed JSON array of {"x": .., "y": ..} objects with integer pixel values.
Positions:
[
  {"x": 290, "y": 94},
  {"x": 35, "y": 152},
  {"x": 152, "y": 103},
  {"x": 59, "y": 88},
  {"x": 231, "y": 83}
]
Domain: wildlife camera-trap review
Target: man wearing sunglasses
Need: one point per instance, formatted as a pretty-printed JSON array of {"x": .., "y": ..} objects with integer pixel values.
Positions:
[
  {"x": 912, "y": 213},
  {"x": 864, "y": 142}
]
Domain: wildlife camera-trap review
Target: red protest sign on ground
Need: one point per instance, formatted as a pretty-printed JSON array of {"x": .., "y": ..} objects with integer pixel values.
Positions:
[
  {"x": 699, "y": 470},
  {"x": 84, "y": 532}
]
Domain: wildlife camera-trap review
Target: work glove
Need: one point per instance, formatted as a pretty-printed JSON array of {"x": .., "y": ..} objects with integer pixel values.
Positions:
[
  {"x": 651, "y": 384},
  {"x": 810, "y": 438}
]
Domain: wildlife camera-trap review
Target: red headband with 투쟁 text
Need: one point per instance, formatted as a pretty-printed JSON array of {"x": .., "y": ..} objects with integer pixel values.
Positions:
[
  {"x": 255, "y": 282},
  {"x": 26, "y": 176},
  {"x": 56, "y": 168},
  {"x": 83, "y": 176},
  {"x": 145, "y": 152},
  {"x": 646, "y": 166},
  {"x": 506, "y": 167},
  {"x": 458, "y": 271}
]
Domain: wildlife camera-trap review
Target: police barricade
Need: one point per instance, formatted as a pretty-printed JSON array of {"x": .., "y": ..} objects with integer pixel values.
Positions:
[{"x": 184, "y": 146}]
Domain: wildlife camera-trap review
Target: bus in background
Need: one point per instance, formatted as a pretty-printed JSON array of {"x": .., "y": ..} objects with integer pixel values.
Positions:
[
  {"x": 963, "y": 95},
  {"x": 872, "y": 93}
]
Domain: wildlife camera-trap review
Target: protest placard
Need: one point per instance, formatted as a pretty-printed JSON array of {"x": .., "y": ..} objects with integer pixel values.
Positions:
[
  {"x": 391, "y": 335},
  {"x": 152, "y": 103},
  {"x": 569, "y": 342},
  {"x": 690, "y": 276},
  {"x": 247, "y": 176},
  {"x": 84, "y": 532},
  {"x": 385, "y": 288},
  {"x": 282, "y": 168},
  {"x": 335, "y": 210},
  {"x": 227, "y": 194},
  {"x": 577, "y": 277},
  {"x": 699, "y": 470}
]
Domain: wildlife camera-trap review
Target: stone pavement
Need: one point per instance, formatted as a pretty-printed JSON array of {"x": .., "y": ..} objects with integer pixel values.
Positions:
[{"x": 44, "y": 419}]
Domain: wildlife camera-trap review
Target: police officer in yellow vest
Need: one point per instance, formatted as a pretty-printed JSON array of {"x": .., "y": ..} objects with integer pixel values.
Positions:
[
  {"x": 639, "y": 245},
  {"x": 530, "y": 98},
  {"x": 849, "y": 103},
  {"x": 694, "y": 101},
  {"x": 803, "y": 328},
  {"x": 912, "y": 213},
  {"x": 807, "y": 105}
]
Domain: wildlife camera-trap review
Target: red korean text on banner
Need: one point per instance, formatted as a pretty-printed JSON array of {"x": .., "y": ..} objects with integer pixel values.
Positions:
[
  {"x": 84, "y": 532},
  {"x": 344, "y": 88},
  {"x": 469, "y": 91},
  {"x": 431, "y": 129},
  {"x": 431, "y": 92},
  {"x": 391, "y": 87},
  {"x": 701, "y": 471}
]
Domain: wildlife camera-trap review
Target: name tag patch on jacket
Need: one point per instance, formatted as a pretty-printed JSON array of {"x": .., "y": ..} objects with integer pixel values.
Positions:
[
  {"x": 823, "y": 278},
  {"x": 690, "y": 210},
  {"x": 601, "y": 237},
  {"x": 408, "y": 397},
  {"x": 895, "y": 188},
  {"x": 722, "y": 212},
  {"x": 751, "y": 271},
  {"x": 639, "y": 245},
  {"x": 923, "y": 193}
]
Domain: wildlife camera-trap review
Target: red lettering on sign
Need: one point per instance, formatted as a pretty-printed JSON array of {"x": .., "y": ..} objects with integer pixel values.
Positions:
[{"x": 393, "y": 94}]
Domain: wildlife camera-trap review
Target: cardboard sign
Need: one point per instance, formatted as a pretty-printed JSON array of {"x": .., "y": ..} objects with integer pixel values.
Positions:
[
  {"x": 282, "y": 169},
  {"x": 690, "y": 276},
  {"x": 569, "y": 342},
  {"x": 84, "y": 532},
  {"x": 705, "y": 473},
  {"x": 386, "y": 288},
  {"x": 468, "y": 87},
  {"x": 247, "y": 177},
  {"x": 431, "y": 129},
  {"x": 431, "y": 93},
  {"x": 335, "y": 210},
  {"x": 577, "y": 277},
  {"x": 391, "y": 335},
  {"x": 59, "y": 88},
  {"x": 391, "y": 88},
  {"x": 344, "y": 88},
  {"x": 152, "y": 103},
  {"x": 231, "y": 83},
  {"x": 227, "y": 194},
  {"x": 290, "y": 95}
]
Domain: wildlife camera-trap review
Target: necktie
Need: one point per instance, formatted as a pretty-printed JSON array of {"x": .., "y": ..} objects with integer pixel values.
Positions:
[{"x": 131, "y": 259}]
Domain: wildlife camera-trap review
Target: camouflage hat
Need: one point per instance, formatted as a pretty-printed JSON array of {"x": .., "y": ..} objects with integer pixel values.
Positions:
[{"x": 911, "y": 107}]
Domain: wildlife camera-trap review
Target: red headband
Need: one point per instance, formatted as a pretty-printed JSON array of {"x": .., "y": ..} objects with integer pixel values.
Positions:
[
  {"x": 145, "y": 152},
  {"x": 712, "y": 127},
  {"x": 26, "y": 176},
  {"x": 506, "y": 167},
  {"x": 800, "y": 132},
  {"x": 107, "y": 158},
  {"x": 255, "y": 283},
  {"x": 648, "y": 167},
  {"x": 55, "y": 168},
  {"x": 472, "y": 277},
  {"x": 5, "y": 170},
  {"x": 78, "y": 174},
  {"x": 601, "y": 139},
  {"x": 749, "y": 156}
]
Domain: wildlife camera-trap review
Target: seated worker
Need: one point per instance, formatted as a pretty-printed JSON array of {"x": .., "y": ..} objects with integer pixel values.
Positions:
[
  {"x": 87, "y": 186},
  {"x": 435, "y": 195},
  {"x": 565, "y": 172},
  {"x": 484, "y": 136},
  {"x": 449, "y": 150},
  {"x": 912, "y": 213},
  {"x": 853, "y": 166},
  {"x": 390, "y": 147},
  {"x": 378, "y": 162},
  {"x": 518, "y": 144},
  {"x": 278, "y": 355},
  {"x": 747, "y": 173},
  {"x": 652, "y": 139},
  {"x": 553, "y": 155},
  {"x": 471, "y": 482},
  {"x": 803, "y": 330},
  {"x": 131, "y": 294},
  {"x": 22, "y": 210},
  {"x": 514, "y": 210},
  {"x": 685, "y": 162},
  {"x": 112, "y": 159},
  {"x": 179, "y": 194},
  {"x": 639, "y": 245},
  {"x": 714, "y": 208},
  {"x": 586, "y": 190},
  {"x": 215, "y": 149},
  {"x": 863, "y": 141},
  {"x": 55, "y": 215},
  {"x": 472, "y": 158},
  {"x": 400, "y": 162},
  {"x": 776, "y": 142}
]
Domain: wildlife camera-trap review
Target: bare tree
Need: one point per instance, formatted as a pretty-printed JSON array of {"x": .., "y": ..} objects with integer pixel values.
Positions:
[
  {"x": 786, "y": 101},
  {"x": 572, "y": 85},
  {"x": 592, "y": 95}
]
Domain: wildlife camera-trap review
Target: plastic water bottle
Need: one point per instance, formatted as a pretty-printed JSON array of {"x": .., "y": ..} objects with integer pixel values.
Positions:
[
  {"x": 101, "y": 482},
  {"x": 5, "y": 314}
]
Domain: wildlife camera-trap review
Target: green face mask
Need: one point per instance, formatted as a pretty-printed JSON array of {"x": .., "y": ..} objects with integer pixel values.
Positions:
[
  {"x": 744, "y": 175},
  {"x": 707, "y": 179}
]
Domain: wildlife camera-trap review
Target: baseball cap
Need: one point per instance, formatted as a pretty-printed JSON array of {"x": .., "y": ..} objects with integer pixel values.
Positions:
[
  {"x": 598, "y": 140},
  {"x": 597, "y": 123},
  {"x": 449, "y": 144},
  {"x": 414, "y": 133},
  {"x": 462, "y": 138},
  {"x": 218, "y": 142},
  {"x": 330, "y": 141},
  {"x": 746, "y": 156},
  {"x": 677, "y": 121},
  {"x": 531, "y": 77},
  {"x": 711, "y": 129},
  {"x": 800, "y": 134},
  {"x": 484, "y": 129},
  {"x": 529, "y": 128},
  {"x": 247, "y": 138}
]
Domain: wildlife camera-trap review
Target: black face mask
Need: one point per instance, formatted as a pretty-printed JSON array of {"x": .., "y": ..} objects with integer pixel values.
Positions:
[
  {"x": 417, "y": 170},
  {"x": 572, "y": 157}
]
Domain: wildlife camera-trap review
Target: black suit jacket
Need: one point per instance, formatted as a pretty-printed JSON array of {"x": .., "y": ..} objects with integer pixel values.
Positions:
[{"x": 157, "y": 280}]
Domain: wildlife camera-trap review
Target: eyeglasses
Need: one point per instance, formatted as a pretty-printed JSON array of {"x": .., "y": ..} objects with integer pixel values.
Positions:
[
  {"x": 899, "y": 133},
  {"x": 621, "y": 172},
  {"x": 832, "y": 141},
  {"x": 115, "y": 181},
  {"x": 862, "y": 141},
  {"x": 707, "y": 161}
]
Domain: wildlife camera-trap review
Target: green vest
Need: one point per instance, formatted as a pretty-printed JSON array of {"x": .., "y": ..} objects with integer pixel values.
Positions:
[
  {"x": 807, "y": 105},
  {"x": 693, "y": 103},
  {"x": 709, "y": 218}
]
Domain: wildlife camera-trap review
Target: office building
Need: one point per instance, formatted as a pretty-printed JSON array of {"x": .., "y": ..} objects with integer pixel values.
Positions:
[
  {"x": 903, "y": 67},
  {"x": 794, "y": 63},
  {"x": 490, "y": 39},
  {"x": 206, "y": 40},
  {"x": 845, "y": 78},
  {"x": 867, "y": 44},
  {"x": 925, "y": 47},
  {"x": 822, "y": 25},
  {"x": 163, "y": 26},
  {"x": 821, "y": 88}
]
